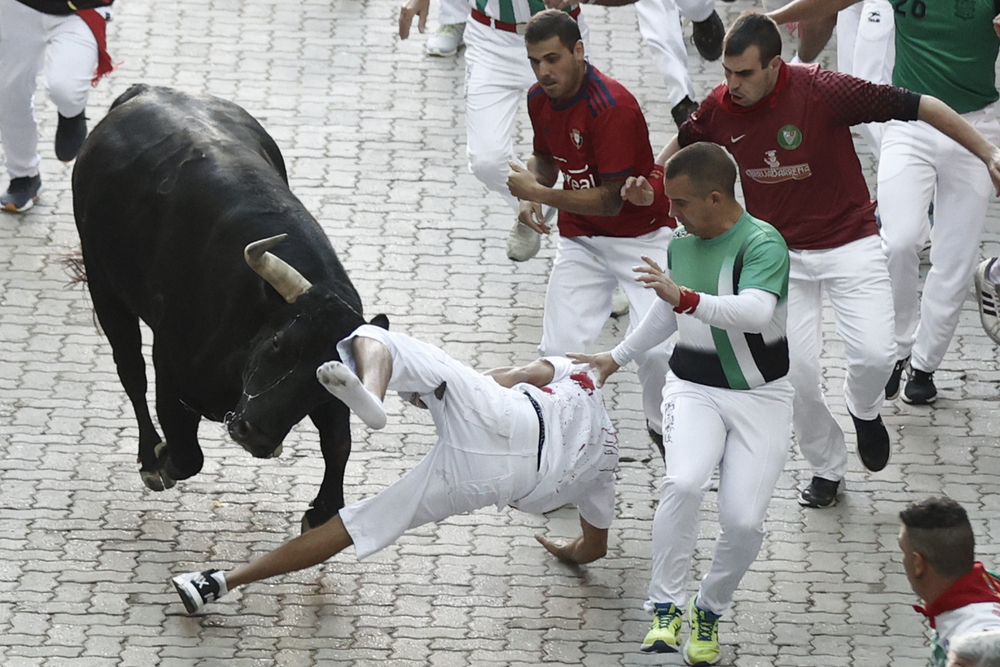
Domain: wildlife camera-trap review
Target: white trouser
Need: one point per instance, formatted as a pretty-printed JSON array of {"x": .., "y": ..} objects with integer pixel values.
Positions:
[
  {"x": 453, "y": 11},
  {"x": 497, "y": 78},
  {"x": 486, "y": 452},
  {"x": 26, "y": 36},
  {"x": 855, "y": 278},
  {"x": 920, "y": 165},
  {"x": 866, "y": 48},
  {"x": 585, "y": 272},
  {"x": 660, "y": 27},
  {"x": 746, "y": 434}
]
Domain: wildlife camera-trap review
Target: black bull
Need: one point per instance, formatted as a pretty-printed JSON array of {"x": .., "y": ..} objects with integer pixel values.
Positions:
[{"x": 168, "y": 191}]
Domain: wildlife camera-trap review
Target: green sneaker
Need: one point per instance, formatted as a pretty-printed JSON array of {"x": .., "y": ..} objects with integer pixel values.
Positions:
[
  {"x": 662, "y": 637},
  {"x": 702, "y": 647}
]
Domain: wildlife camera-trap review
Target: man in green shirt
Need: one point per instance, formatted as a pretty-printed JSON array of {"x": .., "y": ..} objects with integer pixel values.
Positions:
[{"x": 726, "y": 401}]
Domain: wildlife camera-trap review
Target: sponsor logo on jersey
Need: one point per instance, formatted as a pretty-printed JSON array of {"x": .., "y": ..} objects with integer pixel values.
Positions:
[
  {"x": 775, "y": 173},
  {"x": 576, "y": 136},
  {"x": 789, "y": 137},
  {"x": 733, "y": 139},
  {"x": 965, "y": 9},
  {"x": 874, "y": 16},
  {"x": 579, "y": 179}
]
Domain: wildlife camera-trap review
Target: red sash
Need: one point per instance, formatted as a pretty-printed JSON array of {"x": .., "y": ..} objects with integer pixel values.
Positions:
[{"x": 98, "y": 26}]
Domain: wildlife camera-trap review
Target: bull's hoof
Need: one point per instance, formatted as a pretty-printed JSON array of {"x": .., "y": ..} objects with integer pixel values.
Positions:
[
  {"x": 314, "y": 517},
  {"x": 161, "y": 479}
]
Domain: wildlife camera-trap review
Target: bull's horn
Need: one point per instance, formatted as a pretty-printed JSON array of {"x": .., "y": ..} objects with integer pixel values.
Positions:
[{"x": 288, "y": 282}]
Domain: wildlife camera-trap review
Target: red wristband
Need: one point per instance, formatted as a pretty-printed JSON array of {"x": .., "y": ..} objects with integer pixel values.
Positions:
[{"x": 689, "y": 301}]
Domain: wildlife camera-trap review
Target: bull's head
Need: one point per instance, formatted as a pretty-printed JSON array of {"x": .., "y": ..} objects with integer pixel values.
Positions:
[{"x": 279, "y": 378}]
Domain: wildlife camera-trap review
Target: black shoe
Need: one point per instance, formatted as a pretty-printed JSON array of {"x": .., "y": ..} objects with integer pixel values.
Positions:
[
  {"x": 707, "y": 36},
  {"x": 873, "y": 442},
  {"x": 22, "y": 193},
  {"x": 70, "y": 134},
  {"x": 894, "y": 384},
  {"x": 920, "y": 389},
  {"x": 683, "y": 109},
  {"x": 820, "y": 493},
  {"x": 657, "y": 439}
]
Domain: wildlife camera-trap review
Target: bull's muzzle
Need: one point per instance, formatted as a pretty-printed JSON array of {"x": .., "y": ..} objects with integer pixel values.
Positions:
[{"x": 253, "y": 440}]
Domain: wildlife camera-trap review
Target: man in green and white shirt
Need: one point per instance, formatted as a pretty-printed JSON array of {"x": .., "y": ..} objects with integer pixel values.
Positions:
[{"x": 726, "y": 402}]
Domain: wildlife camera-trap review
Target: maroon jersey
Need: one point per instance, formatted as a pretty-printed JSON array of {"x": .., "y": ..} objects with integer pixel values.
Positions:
[
  {"x": 599, "y": 135},
  {"x": 797, "y": 161}
]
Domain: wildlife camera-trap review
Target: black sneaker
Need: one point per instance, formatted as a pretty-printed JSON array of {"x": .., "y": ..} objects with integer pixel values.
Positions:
[
  {"x": 198, "y": 588},
  {"x": 873, "y": 442},
  {"x": 22, "y": 193},
  {"x": 707, "y": 36},
  {"x": 894, "y": 384},
  {"x": 920, "y": 389},
  {"x": 70, "y": 134},
  {"x": 820, "y": 493},
  {"x": 682, "y": 110}
]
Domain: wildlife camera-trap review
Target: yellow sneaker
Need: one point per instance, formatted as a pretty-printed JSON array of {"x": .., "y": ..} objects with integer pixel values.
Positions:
[
  {"x": 662, "y": 637},
  {"x": 702, "y": 647}
]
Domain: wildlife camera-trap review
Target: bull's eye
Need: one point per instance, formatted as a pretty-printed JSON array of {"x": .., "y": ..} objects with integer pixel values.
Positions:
[{"x": 276, "y": 342}]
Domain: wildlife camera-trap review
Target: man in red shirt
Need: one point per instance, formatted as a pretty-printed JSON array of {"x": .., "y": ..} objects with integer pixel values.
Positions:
[
  {"x": 788, "y": 127},
  {"x": 589, "y": 127}
]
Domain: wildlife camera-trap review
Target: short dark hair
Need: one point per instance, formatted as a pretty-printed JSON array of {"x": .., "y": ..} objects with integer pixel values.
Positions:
[
  {"x": 939, "y": 530},
  {"x": 553, "y": 23},
  {"x": 708, "y": 166},
  {"x": 753, "y": 29}
]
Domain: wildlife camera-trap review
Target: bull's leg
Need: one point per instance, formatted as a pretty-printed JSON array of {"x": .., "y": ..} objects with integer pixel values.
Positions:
[
  {"x": 182, "y": 457},
  {"x": 121, "y": 326},
  {"x": 333, "y": 421}
]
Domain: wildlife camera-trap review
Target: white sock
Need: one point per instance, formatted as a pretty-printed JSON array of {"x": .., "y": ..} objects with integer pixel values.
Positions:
[{"x": 345, "y": 385}]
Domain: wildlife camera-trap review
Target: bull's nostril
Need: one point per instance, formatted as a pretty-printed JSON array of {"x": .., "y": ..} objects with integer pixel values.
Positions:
[{"x": 240, "y": 429}]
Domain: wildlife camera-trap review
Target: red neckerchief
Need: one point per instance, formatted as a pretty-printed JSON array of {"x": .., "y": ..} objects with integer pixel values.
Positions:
[
  {"x": 974, "y": 587},
  {"x": 98, "y": 26},
  {"x": 771, "y": 100}
]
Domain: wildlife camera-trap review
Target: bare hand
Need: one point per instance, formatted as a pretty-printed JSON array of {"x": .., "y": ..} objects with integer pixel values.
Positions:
[
  {"x": 638, "y": 191},
  {"x": 564, "y": 552},
  {"x": 531, "y": 214},
  {"x": 602, "y": 362},
  {"x": 996, "y": 24},
  {"x": 522, "y": 182},
  {"x": 994, "y": 163},
  {"x": 410, "y": 9},
  {"x": 652, "y": 277}
]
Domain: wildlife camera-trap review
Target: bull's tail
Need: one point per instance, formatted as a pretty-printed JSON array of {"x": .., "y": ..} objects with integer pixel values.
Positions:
[{"x": 74, "y": 266}]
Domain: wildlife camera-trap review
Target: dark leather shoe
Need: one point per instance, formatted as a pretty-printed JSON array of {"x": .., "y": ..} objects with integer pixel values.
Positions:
[
  {"x": 707, "y": 36},
  {"x": 873, "y": 442},
  {"x": 820, "y": 493}
]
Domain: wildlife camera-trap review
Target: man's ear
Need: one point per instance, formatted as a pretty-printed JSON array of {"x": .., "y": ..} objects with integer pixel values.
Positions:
[
  {"x": 578, "y": 49},
  {"x": 920, "y": 565}
]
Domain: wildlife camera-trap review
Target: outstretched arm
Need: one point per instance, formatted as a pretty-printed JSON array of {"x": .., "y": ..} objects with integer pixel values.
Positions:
[
  {"x": 943, "y": 118},
  {"x": 591, "y": 545},
  {"x": 804, "y": 10},
  {"x": 538, "y": 373}
]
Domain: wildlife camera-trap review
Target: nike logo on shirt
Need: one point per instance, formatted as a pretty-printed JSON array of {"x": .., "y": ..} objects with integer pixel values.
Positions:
[{"x": 735, "y": 139}]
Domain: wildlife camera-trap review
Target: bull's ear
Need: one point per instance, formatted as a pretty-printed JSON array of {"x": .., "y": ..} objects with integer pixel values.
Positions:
[{"x": 381, "y": 320}]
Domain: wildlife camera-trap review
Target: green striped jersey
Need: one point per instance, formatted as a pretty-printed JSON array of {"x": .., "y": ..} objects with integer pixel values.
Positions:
[
  {"x": 510, "y": 11},
  {"x": 751, "y": 254}
]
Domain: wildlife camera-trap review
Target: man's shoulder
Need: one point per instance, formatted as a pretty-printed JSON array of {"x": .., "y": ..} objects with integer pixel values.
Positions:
[{"x": 605, "y": 93}]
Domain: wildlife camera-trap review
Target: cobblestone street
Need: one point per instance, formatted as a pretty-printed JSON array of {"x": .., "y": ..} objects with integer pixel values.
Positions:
[{"x": 373, "y": 134}]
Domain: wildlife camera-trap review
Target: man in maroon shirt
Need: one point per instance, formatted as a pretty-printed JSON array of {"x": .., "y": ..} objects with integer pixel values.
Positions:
[
  {"x": 788, "y": 127},
  {"x": 591, "y": 129}
]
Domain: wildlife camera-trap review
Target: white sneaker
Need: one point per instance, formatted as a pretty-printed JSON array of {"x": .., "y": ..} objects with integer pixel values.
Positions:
[
  {"x": 523, "y": 243},
  {"x": 988, "y": 297},
  {"x": 446, "y": 40},
  {"x": 619, "y": 302}
]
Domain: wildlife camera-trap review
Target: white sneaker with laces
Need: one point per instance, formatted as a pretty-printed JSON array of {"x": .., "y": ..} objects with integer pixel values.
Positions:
[
  {"x": 446, "y": 41},
  {"x": 198, "y": 588},
  {"x": 988, "y": 298}
]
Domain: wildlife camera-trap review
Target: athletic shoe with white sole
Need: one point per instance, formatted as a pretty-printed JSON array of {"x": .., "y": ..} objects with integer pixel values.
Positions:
[
  {"x": 895, "y": 382},
  {"x": 662, "y": 637},
  {"x": 988, "y": 298},
  {"x": 920, "y": 389},
  {"x": 198, "y": 588},
  {"x": 22, "y": 193},
  {"x": 446, "y": 40}
]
